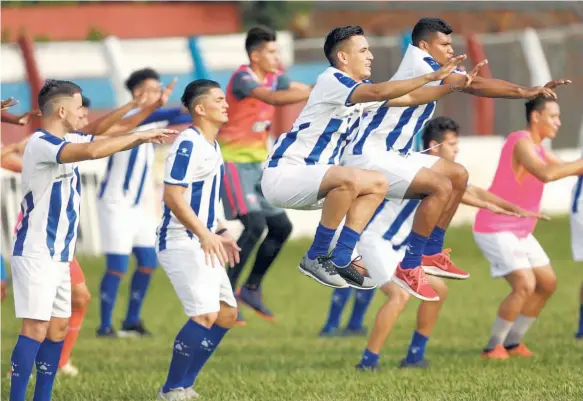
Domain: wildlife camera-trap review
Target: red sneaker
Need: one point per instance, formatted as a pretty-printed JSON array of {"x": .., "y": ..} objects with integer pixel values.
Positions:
[
  {"x": 415, "y": 283},
  {"x": 520, "y": 350},
  {"x": 440, "y": 265},
  {"x": 498, "y": 352}
]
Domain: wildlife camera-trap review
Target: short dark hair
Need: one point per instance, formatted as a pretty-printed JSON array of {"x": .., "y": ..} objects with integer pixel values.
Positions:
[
  {"x": 536, "y": 104},
  {"x": 54, "y": 88},
  {"x": 196, "y": 89},
  {"x": 429, "y": 26},
  {"x": 86, "y": 102},
  {"x": 436, "y": 128},
  {"x": 257, "y": 36},
  {"x": 139, "y": 76},
  {"x": 338, "y": 35}
]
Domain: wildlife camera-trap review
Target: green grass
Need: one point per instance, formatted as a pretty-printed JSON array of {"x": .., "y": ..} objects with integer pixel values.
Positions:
[{"x": 287, "y": 360}]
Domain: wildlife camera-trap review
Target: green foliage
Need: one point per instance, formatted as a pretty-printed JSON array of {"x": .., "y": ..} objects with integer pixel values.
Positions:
[
  {"x": 275, "y": 14},
  {"x": 95, "y": 35}
]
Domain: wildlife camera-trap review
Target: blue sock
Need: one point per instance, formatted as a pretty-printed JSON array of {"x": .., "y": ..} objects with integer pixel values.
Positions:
[
  {"x": 108, "y": 290},
  {"x": 416, "y": 351},
  {"x": 138, "y": 287},
  {"x": 361, "y": 303},
  {"x": 202, "y": 354},
  {"x": 435, "y": 242},
  {"x": 23, "y": 357},
  {"x": 369, "y": 359},
  {"x": 47, "y": 363},
  {"x": 342, "y": 254},
  {"x": 322, "y": 241},
  {"x": 339, "y": 298},
  {"x": 415, "y": 246},
  {"x": 187, "y": 342},
  {"x": 581, "y": 320}
]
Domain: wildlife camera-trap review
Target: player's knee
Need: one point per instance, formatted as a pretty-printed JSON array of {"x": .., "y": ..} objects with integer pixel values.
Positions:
[
  {"x": 459, "y": 177},
  {"x": 80, "y": 298},
  {"x": 439, "y": 286},
  {"x": 227, "y": 317},
  {"x": 442, "y": 187},
  {"x": 280, "y": 227},
  {"x": 35, "y": 329},
  {"x": 373, "y": 182},
  {"x": 351, "y": 182},
  {"x": 146, "y": 257},
  {"x": 524, "y": 287},
  {"x": 255, "y": 224},
  {"x": 206, "y": 320},
  {"x": 547, "y": 286},
  {"x": 117, "y": 264},
  {"x": 58, "y": 329}
]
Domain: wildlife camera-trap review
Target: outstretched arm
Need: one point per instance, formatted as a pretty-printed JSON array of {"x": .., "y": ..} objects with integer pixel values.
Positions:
[
  {"x": 525, "y": 154},
  {"x": 395, "y": 89},
  {"x": 487, "y": 200}
]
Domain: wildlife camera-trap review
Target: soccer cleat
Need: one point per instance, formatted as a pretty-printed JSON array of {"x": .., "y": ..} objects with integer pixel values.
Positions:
[
  {"x": 440, "y": 265},
  {"x": 579, "y": 336},
  {"x": 108, "y": 332},
  {"x": 354, "y": 332},
  {"x": 323, "y": 271},
  {"x": 498, "y": 352},
  {"x": 68, "y": 370},
  {"x": 329, "y": 331},
  {"x": 253, "y": 298},
  {"x": 422, "y": 364},
  {"x": 133, "y": 330},
  {"x": 190, "y": 393},
  {"x": 365, "y": 368},
  {"x": 177, "y": 394},
  {"x": 519, "y": 350},
  {"x": 240, "y": 319},
  {"x": 415, "y": 283}
]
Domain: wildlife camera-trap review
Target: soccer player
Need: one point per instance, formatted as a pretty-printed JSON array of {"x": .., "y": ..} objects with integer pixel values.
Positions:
[
  {"x": 192, "y": 246},
  {"x": 252, "y": 94},
  {"x": 507, "y": 242},
  {"x": 302, "y": 171},
  {"x": 126, "y": 225},
  {"x": 386, "y": 237},
  {"x": 384, "y": 144},
  {"x": 577, "y": 241},
  {"x": 340, "y": 297},
  {"x": 44, "y": 242}
]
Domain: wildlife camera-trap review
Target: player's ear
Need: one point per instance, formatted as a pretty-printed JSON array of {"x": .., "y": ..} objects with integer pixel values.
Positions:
[
  {"x": 433, "y": 143},
  {"x": 423, "y": 45},
  {"x": 199, "y": 109}
]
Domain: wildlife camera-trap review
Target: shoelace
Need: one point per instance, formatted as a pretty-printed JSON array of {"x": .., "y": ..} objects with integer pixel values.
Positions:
[
  {"x": 327, "y": 265},
  {"x": 444, "y": 258},
  {"x": 419, "y": 277}
]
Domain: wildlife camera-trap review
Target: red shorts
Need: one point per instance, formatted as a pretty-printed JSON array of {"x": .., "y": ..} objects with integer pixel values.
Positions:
[{"x": 77, "y": 276}]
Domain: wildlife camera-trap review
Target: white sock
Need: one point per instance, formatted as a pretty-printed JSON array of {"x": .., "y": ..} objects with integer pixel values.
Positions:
[
  {"x": 500, "y": 330},
  {"x": 518, "y": 330}
]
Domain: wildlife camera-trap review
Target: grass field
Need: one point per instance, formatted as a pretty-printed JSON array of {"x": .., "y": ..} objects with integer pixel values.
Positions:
[{"x": 287, "y": 361}]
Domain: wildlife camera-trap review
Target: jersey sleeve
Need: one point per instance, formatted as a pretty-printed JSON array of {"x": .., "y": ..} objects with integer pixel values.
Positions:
[
  {"x": 337, "y": 88},
  {"x": 243, "y": 84},
  {"x": 434, "y": 65},
  {"x": 283, "y": 82},
  {"x": 47, "y": 148},
  {"x": 79, "y": 137},
  {"x": 179, "y": 163}
]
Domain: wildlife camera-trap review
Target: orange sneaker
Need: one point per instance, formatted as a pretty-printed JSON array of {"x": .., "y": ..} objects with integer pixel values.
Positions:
[
  {"x": 498, "y": 352},
  {"x": 520, "y": 350},
  {"x": 440, "y": 265},
  {"x": 415, "y": 283}
]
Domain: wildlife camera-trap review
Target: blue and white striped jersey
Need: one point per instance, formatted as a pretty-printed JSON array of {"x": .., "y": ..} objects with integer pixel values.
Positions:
[
  {"x": 394, "y": 221},
  {"x": 128, "y": 172},
  {"x": 197, "y": 165},
  {"x": 51, "y": 194},
  {"x": 393, "y": 128},
  {"x": 324, "y": 126}
]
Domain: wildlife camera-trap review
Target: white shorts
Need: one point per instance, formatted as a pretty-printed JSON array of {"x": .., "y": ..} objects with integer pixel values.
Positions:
[
  {"x": 399, "y": 170},
  {"x": 294, "y": 186},
  {"x": 577, "y": 236},
  {"x": 42, "y": 288},
  {"x": 123, "y": 227},
  {"x": 200, "y": 287},
  {"x": 507, "y": 253}
]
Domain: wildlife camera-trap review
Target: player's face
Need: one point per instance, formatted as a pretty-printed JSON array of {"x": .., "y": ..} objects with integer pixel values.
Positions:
[
  {"x": 357, "y": 57},
  {"x": 267, "y": 57},
  {"x": 151, "y": 87},
  {"x": 439, "y": 46},
  {"x": 449, "y": 148},
  {"x": 214, "y": 106},
  {"x": 84, "y": 120},
  {"x": 70, "y": 111},
  {"x": 548, "y": 120}
]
